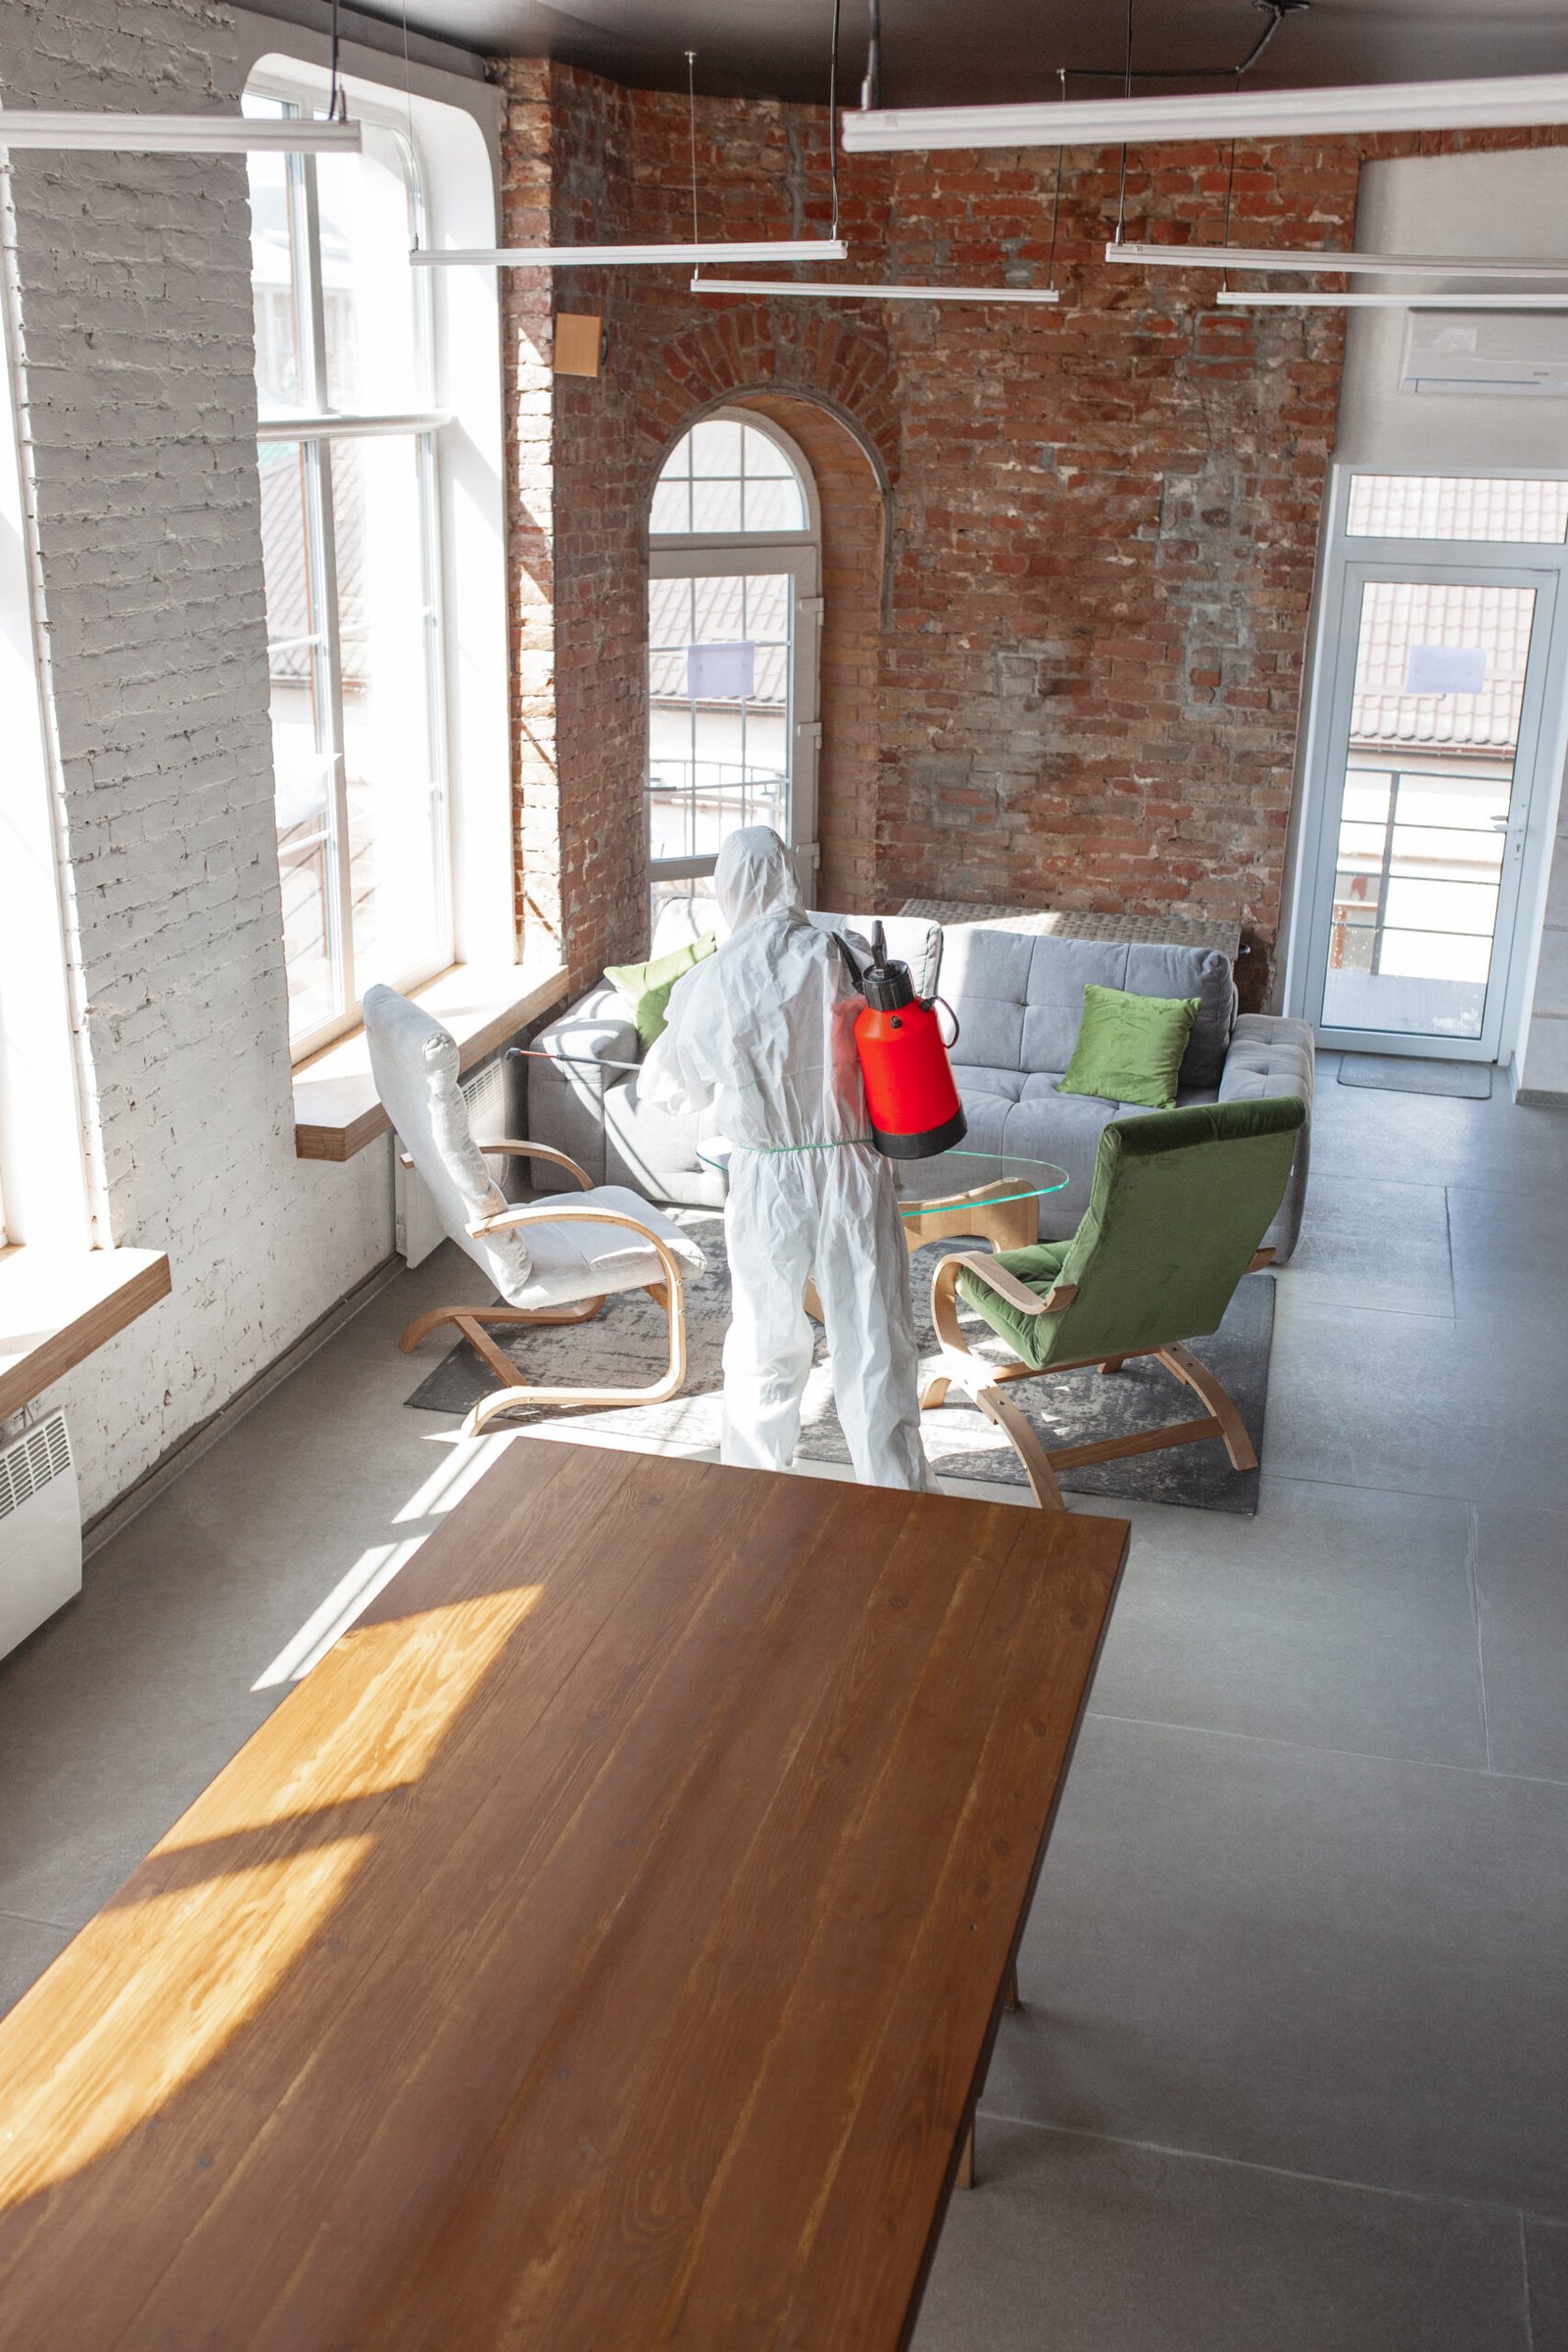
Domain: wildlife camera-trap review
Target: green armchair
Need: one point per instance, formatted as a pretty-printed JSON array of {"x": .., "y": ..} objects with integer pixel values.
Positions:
[{"x": 1178, "y": 1207}]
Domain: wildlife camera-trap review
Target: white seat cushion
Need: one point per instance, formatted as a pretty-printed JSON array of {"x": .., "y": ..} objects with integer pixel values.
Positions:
[{"x": 573, "y": 1259}]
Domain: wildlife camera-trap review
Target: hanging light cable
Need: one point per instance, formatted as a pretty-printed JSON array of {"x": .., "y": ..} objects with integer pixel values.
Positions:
[
  {"x": 844, "y": 290},
  {"x": 617, "y": 257},
  {"x": 1126, "y": 91}
]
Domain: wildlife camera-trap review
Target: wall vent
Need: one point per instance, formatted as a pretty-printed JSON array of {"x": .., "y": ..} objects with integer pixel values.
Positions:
[{"x": 40, "y": 1528}]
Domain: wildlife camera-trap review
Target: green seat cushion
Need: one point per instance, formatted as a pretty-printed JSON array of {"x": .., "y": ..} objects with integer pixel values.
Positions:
[
  {"x": 645, "y": 987},
  {"x": 1129, "y": 1047},
  {"x": 1038, "y": 1269}
]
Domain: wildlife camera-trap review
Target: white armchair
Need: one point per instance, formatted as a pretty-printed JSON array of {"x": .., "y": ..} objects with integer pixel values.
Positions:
[{"x": 553, "y": 1261}]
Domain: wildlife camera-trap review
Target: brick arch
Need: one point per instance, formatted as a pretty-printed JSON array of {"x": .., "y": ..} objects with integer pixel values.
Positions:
[{"x": 748, "y": 352}]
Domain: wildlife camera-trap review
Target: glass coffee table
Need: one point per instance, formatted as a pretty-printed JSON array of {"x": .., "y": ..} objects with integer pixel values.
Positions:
[{"x": 992, "y": 1195}]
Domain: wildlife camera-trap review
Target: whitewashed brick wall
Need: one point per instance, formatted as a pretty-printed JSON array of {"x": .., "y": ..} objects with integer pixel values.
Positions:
[{"x": 137, "y": 353}]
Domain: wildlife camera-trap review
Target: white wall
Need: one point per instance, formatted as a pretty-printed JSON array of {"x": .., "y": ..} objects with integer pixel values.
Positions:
[
  {"x": 1511, "y": 203},
  {"x": 133, "y": 318}
]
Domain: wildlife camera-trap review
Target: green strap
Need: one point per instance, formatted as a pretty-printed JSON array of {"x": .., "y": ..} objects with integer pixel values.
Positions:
[{"x": 776, "y": 1150}]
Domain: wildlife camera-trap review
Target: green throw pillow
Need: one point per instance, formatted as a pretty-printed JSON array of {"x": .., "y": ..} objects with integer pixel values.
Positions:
[
  {"x": 646, "y": 987},
  {"x": 1129, "y": 1047}
]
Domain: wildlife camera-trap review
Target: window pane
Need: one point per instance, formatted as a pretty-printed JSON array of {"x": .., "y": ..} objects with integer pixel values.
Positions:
[
  {"x": 717, "y": 505},
  {"x": 1415, "y": 505},
  {"x": 762, "y": 457},
  {"x": 718, "y": 709},
  {"x": 386, "y": 627},
  {"x": 302, "y": 763},
  {"x": 274, "y": 274},
  {"x": 773, "y": 505},
  {"x": 368, "y": 292},
  {"x": 671, "y": 508},
  {"x": 715, "y": 448}
]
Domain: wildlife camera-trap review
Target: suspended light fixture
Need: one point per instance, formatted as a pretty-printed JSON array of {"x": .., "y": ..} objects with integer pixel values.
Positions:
[
  {"x": 844, "y": 290},
  {"x": 187, "y": 134},
  {"x": 1525, "y": 99},
  {"x": 831, "y": 248},
  {"x": 814, "y": 289},
  {"x": 1312, "y": 260},
  {"x": 177, "y": 135},
  {"x": 619, "y": 256},
  {"x": 1391, "y": 300}
]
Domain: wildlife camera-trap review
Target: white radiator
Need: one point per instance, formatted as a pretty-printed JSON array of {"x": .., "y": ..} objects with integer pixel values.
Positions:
[
  {"x": 416, "y": 1229},
  {"x": 40, "y": 1529}
]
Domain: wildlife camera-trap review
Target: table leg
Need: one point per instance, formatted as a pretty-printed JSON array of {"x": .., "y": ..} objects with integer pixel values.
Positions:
[
  {"x": 965, "y": 2178},
  {"x": 814, "y": 1304},
  {"x": 1009, "y": 1993}
]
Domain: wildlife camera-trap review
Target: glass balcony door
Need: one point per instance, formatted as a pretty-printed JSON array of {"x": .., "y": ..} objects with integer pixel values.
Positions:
[{"x": 1426, "y": 765}]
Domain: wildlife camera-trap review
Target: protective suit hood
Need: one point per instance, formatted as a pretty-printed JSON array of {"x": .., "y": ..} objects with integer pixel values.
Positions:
[{"x": 755, "y": 877}]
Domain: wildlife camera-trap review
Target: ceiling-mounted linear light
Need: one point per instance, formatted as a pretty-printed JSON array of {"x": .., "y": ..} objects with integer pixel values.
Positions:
[
  {"x": 839, "y": 291},
  {"x": 178, "y": 134},
  {"x": 617, "y": 257},
  {"x": 1314, "y": 259},
  {"x": 1519, "y": 98},
  {"x": 1393, "y": 301}
]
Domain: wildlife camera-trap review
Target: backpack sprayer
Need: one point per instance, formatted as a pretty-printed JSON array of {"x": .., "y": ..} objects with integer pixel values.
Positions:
[{"x": 909, "y": 1091}]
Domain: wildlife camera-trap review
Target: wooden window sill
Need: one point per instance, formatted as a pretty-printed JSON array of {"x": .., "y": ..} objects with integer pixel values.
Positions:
[
  {"x": 336, "y": 1109},
  {"x": 57, "y": 1306}
]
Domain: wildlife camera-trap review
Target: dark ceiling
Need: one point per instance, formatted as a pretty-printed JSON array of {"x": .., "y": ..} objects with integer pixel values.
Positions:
[{"x": 971, "y": 51}]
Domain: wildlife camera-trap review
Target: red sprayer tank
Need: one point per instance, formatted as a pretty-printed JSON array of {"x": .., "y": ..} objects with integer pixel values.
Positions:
[{"x": 910, "y": 1090}]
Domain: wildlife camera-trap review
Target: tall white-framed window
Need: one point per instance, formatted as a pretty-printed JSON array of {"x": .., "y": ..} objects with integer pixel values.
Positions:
[
  {"x": 1438, "y": 722},
  {"x": 734, "y": 614},
  {"x": 347, "y": 455}
]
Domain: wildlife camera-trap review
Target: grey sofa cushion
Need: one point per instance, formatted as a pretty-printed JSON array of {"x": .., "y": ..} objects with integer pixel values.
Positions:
[
  {"x": 1270, "y": 1056},
  {"x": 1020, "y": 999}
]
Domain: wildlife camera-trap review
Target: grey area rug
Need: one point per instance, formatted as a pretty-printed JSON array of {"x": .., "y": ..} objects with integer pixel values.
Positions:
[
  {"x": 626, "y": 1344},
  {"x": 1401, "y": 1074}
]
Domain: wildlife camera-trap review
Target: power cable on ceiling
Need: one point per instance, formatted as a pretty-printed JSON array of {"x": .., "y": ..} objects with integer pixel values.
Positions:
[{"x": 1276, "y": 10}]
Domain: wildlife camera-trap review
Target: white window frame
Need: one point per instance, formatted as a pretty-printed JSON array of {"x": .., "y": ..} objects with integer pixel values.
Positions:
[
  {"x": 315, "y": 433},
  {"x": 1544, "y": 723},
  {"x": 706, "y": 555}
]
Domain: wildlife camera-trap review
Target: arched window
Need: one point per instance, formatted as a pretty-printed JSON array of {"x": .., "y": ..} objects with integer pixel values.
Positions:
[{"x": 734, "y": 608}]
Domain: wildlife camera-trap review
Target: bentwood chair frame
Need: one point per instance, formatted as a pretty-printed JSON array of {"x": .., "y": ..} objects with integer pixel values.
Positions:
[{"x": 474, "y": 1323}]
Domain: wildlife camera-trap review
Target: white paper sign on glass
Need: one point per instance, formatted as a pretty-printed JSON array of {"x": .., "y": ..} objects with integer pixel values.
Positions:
[
  {"x": 1446, "y": 670},
  {"x": 720, "y": 673}
]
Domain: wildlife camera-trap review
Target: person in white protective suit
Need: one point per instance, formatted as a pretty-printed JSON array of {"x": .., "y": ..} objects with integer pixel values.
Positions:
[{"x": 766, "y": 1029}]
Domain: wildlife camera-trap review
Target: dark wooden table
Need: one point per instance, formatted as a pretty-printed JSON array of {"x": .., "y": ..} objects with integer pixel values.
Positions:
[{"x": 601, "y": 1950}]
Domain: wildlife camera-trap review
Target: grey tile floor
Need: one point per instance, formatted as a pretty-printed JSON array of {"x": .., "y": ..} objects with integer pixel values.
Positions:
[{"x": 1291, "y": 2072}]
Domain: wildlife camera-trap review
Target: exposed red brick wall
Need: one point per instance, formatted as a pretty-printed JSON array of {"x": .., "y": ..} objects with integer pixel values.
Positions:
[{"x": 1084, "y": 682}]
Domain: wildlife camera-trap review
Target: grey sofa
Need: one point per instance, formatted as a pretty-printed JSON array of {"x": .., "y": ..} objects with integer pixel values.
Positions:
[{"x": 1019, "y": 999}]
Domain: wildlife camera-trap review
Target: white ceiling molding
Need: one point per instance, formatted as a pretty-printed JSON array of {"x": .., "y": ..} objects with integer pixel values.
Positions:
[{"x": 1516, "y": 99}]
